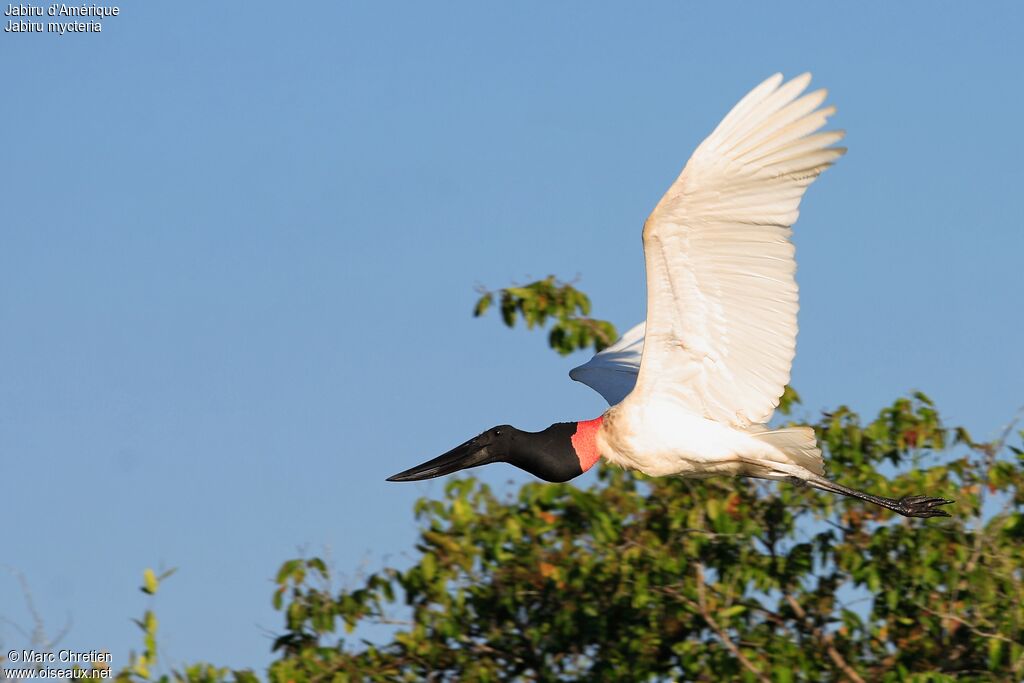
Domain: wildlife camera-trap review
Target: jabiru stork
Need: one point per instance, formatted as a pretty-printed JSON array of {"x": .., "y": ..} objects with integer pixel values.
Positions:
[{"x": 692, "y": 389}]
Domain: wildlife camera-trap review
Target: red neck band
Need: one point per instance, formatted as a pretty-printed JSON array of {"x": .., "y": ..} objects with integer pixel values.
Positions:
[{"x": 584, "y": 442}]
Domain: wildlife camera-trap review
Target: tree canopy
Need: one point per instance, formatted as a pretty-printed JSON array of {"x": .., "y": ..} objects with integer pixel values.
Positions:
[{"x": 634, "y": 578}]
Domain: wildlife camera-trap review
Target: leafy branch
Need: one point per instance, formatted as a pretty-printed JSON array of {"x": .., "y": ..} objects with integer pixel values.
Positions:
[{"x": 547, "y": 300}]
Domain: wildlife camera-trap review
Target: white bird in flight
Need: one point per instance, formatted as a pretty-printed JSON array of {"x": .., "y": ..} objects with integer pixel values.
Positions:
[{"x": 692, "y": 389}]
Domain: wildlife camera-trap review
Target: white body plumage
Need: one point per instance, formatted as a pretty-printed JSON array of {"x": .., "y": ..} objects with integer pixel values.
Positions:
[{"x": 661, "y": 441}]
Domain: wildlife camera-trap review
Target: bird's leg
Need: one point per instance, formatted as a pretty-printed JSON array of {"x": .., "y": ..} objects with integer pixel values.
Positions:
[{"x": 910, "y": 506}]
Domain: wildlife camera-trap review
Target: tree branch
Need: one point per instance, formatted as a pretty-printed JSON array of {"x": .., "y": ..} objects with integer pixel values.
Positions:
[
  {"x": 971, "y": 627},
  {"x": 825, "y": 639},
  {"x": 726, "y": 640}
]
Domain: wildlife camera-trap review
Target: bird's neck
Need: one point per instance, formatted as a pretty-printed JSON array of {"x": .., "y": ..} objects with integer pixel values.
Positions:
[
  {"x": 584, "y": 442},
  {"x": 559, "y": 453}
]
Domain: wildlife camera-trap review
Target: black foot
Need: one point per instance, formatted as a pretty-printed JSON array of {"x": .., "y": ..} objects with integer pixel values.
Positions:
[{"x": 922, "y": 506}]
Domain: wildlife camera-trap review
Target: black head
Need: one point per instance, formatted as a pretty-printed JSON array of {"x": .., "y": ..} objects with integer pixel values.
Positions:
[{"x": 548, "y": 454}]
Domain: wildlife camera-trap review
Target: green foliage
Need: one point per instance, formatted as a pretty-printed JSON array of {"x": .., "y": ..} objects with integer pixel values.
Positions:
[
  {"x": 788, "y": 399},
  {"x": 139, "y": 664},
  {"x": 151, "y": 582},
  {"x": 550, "y": 299},
  {"x": 665, "y": 579},
  {"x": 140, "y": 667}
]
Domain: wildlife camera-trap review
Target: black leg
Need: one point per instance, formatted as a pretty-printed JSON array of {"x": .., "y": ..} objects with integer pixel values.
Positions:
[{"x": 910, "y": 506}]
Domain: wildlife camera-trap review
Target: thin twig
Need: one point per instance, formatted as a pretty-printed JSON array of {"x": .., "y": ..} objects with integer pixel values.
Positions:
[
  {"x": 823, "y": 637},
  {"x": 826, "y": 639},
  {"x": 726, "y": 640},
  {"x": 393, "y": 622},
  {"x": 971, "y": 627},
  {"x": 38, "y": 636}
]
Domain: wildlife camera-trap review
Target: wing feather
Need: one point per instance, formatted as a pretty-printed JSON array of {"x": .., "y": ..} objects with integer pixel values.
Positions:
[
  {"x": 721, "y": 290},
  {"x": 612, "y": 372}
]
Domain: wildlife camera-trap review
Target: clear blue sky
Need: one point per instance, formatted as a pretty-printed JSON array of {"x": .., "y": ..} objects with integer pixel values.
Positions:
[{"x": 239, "y": 243}]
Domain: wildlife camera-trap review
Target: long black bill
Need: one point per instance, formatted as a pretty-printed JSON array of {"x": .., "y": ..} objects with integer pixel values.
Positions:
[{"x": 470, "y": 454}]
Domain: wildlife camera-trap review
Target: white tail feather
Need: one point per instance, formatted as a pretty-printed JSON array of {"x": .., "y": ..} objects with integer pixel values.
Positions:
[{"x": 798, "y": 445}]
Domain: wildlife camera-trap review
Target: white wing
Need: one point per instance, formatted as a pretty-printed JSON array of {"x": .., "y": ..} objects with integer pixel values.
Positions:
[
  {"x": 721, "y": 293},
  {"x": 612, "y": 372}
]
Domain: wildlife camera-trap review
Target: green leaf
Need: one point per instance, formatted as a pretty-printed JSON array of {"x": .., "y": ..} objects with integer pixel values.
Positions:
[
  {"x": 428, "y": 565},
  {"x": 995, "y": 654},
  {"x": 482, "y": 304},
  {"x": 733, "y": 611},
  {"x": 538, "y": 302},
  {"x": 149, "y": 582}
]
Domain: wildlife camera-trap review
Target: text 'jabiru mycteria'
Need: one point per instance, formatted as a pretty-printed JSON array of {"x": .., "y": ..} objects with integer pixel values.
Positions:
[{"x": 691, "y": 390}]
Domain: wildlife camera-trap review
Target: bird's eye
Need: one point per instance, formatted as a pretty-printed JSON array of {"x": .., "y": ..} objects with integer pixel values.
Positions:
[{"x": 497, "y": 432}]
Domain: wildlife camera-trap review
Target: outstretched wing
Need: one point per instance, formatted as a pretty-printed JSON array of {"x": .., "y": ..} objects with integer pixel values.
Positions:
[
  {"x": 612, "y": 372},
  {"x": 721, "y": 293}
]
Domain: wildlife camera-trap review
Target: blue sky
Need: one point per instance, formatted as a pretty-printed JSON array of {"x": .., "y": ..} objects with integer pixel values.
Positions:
[{"x": 240, "y": 242}]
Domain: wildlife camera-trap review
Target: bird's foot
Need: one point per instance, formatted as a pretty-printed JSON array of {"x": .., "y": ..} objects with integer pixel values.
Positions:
[{"x": 921, "y": 506}]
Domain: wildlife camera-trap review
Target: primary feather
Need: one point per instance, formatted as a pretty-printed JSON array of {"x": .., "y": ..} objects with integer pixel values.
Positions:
[{"x": 721, "y": 293}]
